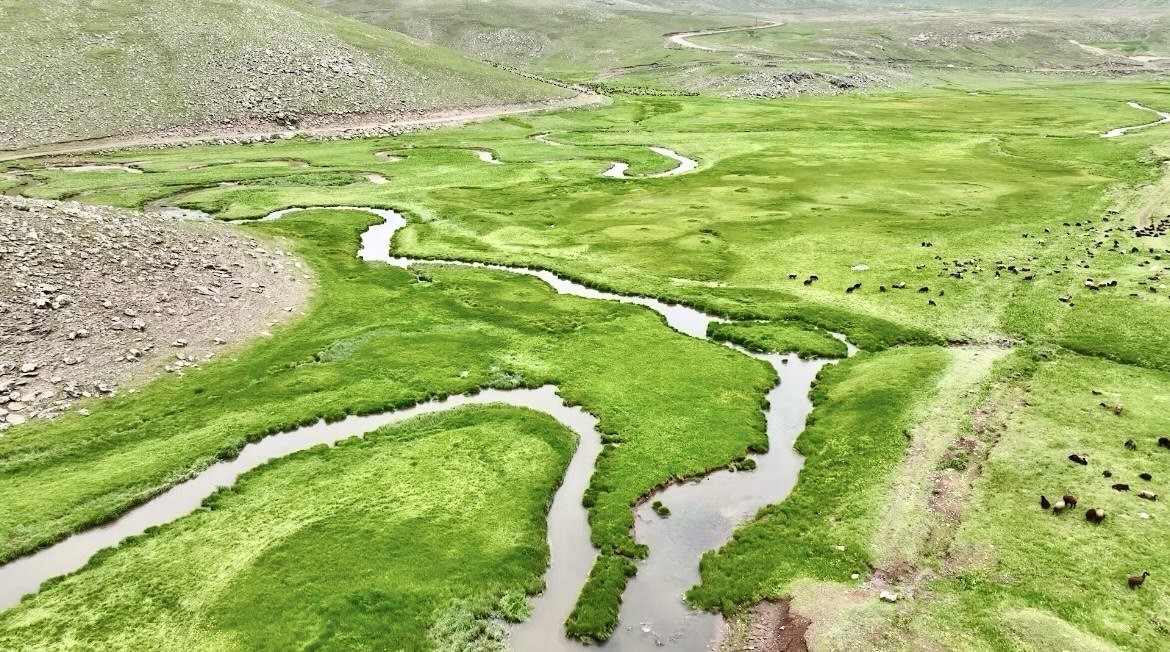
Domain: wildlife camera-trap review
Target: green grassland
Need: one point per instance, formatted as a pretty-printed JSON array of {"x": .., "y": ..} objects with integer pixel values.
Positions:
[
  {"x": 1016, "y": 577},
  {"x": 447, "y": 331},
  {"x": 435, "y": 521},
  {"x": 811, "y": 186},
  {"x": 778, "y": 337},
  {"x": 848, "y": 190},
  {"x": 76, "y": 69}
]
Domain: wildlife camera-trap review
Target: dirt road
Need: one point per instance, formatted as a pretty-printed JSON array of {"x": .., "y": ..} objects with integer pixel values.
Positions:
[
  {"x": 682, "y": 39},
  {"x": 370, "y": 123}
]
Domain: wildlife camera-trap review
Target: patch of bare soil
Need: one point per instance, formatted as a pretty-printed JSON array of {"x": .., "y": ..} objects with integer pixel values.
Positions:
[
  {"x": 771, "y": 627},
  {"x": 94, "y": 299}
]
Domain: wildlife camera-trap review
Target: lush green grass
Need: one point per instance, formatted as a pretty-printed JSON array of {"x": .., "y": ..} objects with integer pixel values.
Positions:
[
  {"x": 1020, "y": 578},
  {"x": 812, "y": 186},
  {"x": 778, "y": 337},
  {"x": 438, "y": 517},
  {"x": 854, "y": 439},
  {"x": 846, "y": 190},
  {"x": 450, "y": 331},
  {"x": 595, "y": 616}
]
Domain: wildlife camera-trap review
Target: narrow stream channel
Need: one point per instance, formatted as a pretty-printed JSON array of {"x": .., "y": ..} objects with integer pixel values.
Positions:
[
  {"x": 1121, "y": 131},
  {"x": 653, "y": 614}
]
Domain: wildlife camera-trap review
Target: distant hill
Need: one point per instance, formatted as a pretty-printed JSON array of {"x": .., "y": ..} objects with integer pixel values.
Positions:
[
  {"x": 74, "y": 69},
  {"x": 556, "y": 37}
]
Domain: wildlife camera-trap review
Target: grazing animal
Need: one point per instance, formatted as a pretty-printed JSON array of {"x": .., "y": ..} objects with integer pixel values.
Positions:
[
  {"x": 1095, "y": 515},
  {"x": 1071, "y": 501},
  {"x": 1107, "y": 473},
  {"x": 1147, "y": 495},
  {"x": 1120, "y": 486},
  {"x": 1145, "y": 476},
  {"x": 931, "y": 303},
  {"x": 1058, "y": 507},
  {"x": 881, "y": 288},
  {"x": 808, "y": 281},
  {"x": 1164, "y": 442},
  {"x": 1079, "y": 459},
  {"x": 1136, "y": 581},
  {"x": 900, "y": 285},
  {"x": 924, "y": 289},
  {"x": 1131, "y": 444},
  {"x": 814, "y": 277},
  {"x": 1044, "y": 504},
  {"x": 792, "y": 277}
]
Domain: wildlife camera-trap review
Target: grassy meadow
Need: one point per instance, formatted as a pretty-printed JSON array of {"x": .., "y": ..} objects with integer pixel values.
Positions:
[
  {"x": 965, "y": 220},
  {"x": 402, "y": 539}
]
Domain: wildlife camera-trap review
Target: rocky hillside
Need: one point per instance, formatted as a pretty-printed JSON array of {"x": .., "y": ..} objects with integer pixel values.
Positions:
[
  {"x": 74, "y": 69},
  {"x": 92, "y": 298}
]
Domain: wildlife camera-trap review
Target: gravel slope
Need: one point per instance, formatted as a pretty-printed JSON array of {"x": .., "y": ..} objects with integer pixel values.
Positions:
[
  {"x": 72, "y": 69},
  {"x": 93, "y": 298}
]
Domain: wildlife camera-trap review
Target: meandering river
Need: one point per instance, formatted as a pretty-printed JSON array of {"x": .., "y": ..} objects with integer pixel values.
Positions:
[{"x": 704, "y": 513}]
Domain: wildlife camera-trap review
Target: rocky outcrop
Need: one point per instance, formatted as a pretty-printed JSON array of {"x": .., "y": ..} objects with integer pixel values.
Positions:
[{"x": 95, "y": 299}]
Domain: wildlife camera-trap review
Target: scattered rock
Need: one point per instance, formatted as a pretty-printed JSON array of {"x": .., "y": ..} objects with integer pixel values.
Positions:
[{"x": 89, "y": 297}]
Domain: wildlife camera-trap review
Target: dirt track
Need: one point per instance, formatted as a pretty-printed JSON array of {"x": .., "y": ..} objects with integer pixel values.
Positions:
[
  {"x": 681, "y": 39},
  {"x": 363, "y": 124}
]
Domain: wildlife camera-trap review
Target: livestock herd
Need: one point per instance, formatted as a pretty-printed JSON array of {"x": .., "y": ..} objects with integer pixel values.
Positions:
[{"x": 1096, "y": 515}]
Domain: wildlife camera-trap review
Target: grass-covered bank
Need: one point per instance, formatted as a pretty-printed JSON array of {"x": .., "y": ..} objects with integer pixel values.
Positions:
[
  {"x": 947, "y": 208},
  {"x": 378, "y": 338},
  {"x": 854, "y": 439},
  {"x": 403, "y": 539},
  {"x": 779, "y": 337}
]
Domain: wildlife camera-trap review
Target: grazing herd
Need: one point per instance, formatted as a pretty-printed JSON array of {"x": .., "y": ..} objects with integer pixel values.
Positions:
[
  {"x": 1154, "y": 230},
  {"x": 1102, "y": 234},
  {"x": 1096, "y": 515}
]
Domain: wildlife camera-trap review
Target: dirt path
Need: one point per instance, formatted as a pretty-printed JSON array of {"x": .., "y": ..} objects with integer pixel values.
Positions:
[
  {"x": 1144, "y": 59},
  {"x": 682, "y": 39},
  {"x": 364, "y": 124}
]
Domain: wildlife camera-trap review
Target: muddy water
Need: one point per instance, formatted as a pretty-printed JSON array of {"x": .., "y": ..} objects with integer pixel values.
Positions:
[
  {"x": 703, "y": 516},
  {"x": 704, "y": 513},
  {"x": 24, "y": 575}
]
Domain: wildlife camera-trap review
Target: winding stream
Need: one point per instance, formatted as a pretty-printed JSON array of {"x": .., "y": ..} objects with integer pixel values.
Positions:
[
  {"x": 1121, "y": 131},
  {"x": 25, "y": 574},
  {"x": 704, "y": 512},
  {"x": 617, "y": 169}
]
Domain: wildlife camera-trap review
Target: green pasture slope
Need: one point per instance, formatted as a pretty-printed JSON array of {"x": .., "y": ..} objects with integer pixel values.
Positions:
[
  {"x": 961, "y": 195},
  {"x": 449, "y": 508}
]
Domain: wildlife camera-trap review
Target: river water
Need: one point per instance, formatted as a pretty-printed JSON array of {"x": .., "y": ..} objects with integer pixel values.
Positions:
[{"x": 703, "y": 516}]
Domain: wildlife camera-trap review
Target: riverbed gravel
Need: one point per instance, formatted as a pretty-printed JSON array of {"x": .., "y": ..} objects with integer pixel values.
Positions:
[{"x": 94, "y": 300}]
